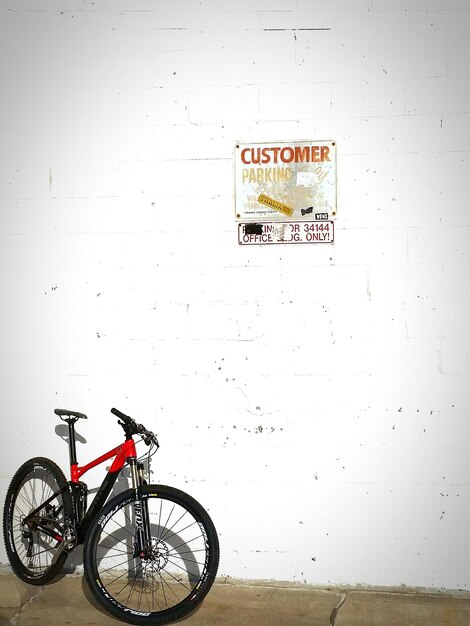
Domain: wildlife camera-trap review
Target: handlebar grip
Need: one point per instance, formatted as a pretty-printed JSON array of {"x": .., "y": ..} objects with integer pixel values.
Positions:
[{"x": 117, "y": 413}]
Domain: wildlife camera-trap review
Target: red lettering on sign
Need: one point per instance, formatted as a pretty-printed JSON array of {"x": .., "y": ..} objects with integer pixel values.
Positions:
[
  {"x": 244, "y": 151},
  {"x": 324, "y": 153},
  {"x": 288, "y": 154}
]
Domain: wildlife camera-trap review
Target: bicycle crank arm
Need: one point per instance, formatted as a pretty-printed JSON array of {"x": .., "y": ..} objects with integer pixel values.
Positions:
[
  {"x": 58, "y": 552},
  {"x": 67, "y": 543}
]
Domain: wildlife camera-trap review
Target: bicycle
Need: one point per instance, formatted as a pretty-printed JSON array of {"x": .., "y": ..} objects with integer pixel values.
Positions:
[{"x": 150, "y": 554}]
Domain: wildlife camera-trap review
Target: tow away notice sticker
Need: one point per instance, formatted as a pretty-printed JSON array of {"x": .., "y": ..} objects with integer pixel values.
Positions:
[{"x": 286, "y": 232}]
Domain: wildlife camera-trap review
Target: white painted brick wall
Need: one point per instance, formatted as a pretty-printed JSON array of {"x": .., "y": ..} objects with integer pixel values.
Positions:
[{"x": 314, "y": 398}]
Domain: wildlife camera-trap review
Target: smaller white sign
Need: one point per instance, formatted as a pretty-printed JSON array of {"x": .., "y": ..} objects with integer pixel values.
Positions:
[{"x": 265, "y": 233}]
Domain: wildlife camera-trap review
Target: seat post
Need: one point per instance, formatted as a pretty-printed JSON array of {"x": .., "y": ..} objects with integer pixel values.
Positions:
[{"x": 72, "y": 445}]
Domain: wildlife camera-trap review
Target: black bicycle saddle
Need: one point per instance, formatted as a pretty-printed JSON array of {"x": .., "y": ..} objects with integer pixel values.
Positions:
[{"x": 62, "y": 413}]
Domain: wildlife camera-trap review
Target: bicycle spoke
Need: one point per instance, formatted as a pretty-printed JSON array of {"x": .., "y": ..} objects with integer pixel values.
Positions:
[
  {"x": 115, "y": 549},
  {"x": 178, "y": 580},
  {"x": 164, "y": 536},
  {"x": 185, "y": 543},
  {"x": 110, "y": 534},
  {"x": 113, "y": 567}
]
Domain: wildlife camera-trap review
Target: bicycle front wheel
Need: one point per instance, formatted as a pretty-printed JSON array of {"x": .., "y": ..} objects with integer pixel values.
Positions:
[
  {"x": 176, "y": 571},
  {"x": 33, "y": 543}
]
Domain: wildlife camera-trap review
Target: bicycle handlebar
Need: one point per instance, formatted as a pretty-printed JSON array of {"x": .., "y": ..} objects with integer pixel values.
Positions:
[{"x": 131, "y": 427}]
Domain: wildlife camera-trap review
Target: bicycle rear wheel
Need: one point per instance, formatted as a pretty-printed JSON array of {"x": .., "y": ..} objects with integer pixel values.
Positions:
[
  {"x": 177, "y": 570},
  {"x": 33, "y": 547}
]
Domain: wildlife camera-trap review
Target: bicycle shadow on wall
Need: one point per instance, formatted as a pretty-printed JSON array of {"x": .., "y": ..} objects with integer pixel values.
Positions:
[{"x": 75, "y": 559}]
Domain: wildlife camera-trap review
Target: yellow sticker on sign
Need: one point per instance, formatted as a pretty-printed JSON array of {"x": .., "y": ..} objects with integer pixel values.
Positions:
[{"x": 275, "y": 204}]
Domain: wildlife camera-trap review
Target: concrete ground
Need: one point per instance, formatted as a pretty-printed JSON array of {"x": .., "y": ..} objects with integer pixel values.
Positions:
[{"x": 68, "y": 601}]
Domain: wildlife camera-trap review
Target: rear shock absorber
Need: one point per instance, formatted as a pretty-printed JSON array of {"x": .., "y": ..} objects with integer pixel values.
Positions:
[{"x": 80, "y": 494}]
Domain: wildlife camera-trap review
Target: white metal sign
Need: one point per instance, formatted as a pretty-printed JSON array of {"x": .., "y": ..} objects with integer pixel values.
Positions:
[
  {"x": 279, "y": 181},
  {"x": 286, "y": 232}
]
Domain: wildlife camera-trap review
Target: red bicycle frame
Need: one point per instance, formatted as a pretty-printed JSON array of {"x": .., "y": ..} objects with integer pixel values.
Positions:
[{"x": 122, "y": 453}]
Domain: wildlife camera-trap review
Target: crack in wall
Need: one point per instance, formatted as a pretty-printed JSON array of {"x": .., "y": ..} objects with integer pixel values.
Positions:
[
  {"x": 14, "y": 619},
  {"x": 335, "y": 611}
]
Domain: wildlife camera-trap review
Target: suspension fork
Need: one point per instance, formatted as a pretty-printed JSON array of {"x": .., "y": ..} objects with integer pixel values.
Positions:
[{"x": 143, "y": 537}]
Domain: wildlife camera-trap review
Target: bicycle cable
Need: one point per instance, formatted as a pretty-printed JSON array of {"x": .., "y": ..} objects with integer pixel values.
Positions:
[{"x": 149, "y": 452}]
